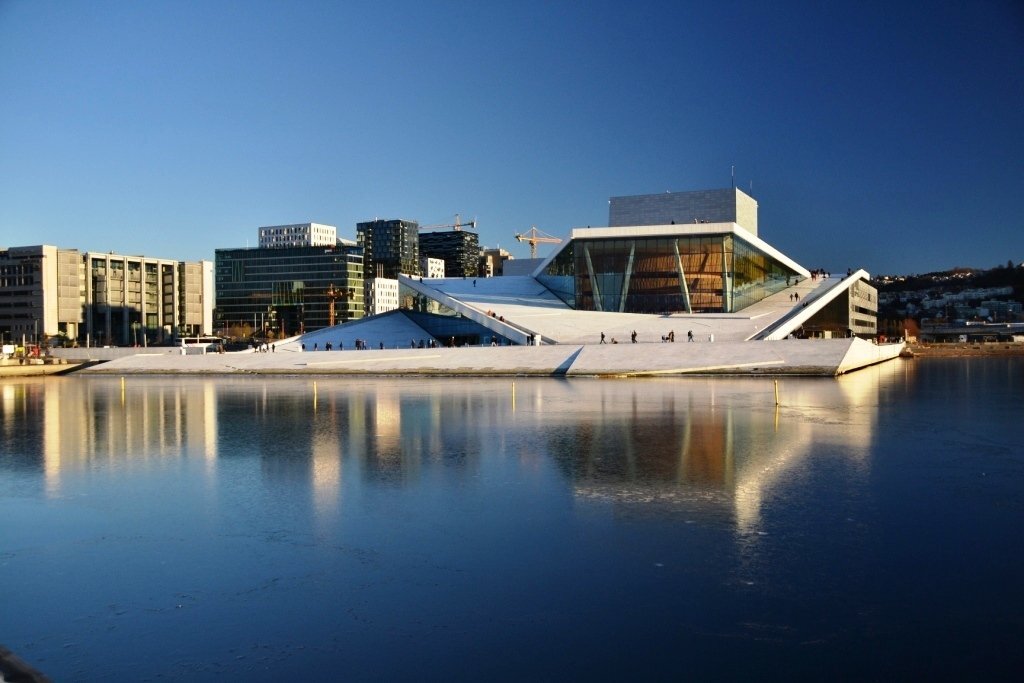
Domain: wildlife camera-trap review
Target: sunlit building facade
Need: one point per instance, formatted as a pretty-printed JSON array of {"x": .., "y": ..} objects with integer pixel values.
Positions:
[
  {"x": 693, "y": 268},
  {"x": 298, "y": 235},
  {"x": 102, "y": 298}
]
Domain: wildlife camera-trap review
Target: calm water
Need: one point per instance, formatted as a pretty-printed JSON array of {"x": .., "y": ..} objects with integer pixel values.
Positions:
[{"x": 273, "y": 529}]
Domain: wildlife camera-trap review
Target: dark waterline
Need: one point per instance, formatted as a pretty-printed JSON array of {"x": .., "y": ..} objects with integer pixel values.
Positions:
[{"x": 439, "y": 529}]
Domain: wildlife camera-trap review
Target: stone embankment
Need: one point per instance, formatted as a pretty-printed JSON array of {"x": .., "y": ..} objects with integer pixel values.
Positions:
[
  {"x": 960, "y": 350},
  {"x": 33, "y": 367}
]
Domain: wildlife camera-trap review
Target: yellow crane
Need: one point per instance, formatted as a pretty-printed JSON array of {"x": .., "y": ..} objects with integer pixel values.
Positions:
[{"x": 533, "y": 236}]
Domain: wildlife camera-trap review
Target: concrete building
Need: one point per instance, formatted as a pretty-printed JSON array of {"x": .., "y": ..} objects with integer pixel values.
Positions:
[
  {"x": 459, "y": 249},
  {"x": 390, "y": 247},
  {"x": 287, "y": 290},
  {"x": 39, "y": 293},
  {"x": 138, "y": 300},
  {"x": 298, "y": 235},
  {"x": 102, "y": 298}
]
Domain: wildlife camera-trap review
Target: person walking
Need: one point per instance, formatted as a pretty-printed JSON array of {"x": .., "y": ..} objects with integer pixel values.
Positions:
[{"x": 602, "y": 338}]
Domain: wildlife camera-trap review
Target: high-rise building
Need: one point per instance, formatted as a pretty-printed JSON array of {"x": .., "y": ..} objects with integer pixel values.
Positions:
[
  {"x": 390, "y": 247},
  {"x": 102, "y": 298},
  {"x": 459, "y": 249},
  {"x": 288, "y": 290}
]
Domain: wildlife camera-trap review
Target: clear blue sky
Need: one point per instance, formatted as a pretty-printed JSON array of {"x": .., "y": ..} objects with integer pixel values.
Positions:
[{"x": 878, "y": 136}]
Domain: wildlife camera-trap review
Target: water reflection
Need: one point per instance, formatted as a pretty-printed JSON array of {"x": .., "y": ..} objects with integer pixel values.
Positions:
[
  {"x": 717, "y": 445},
  {"x": 296, "y": 528},
  {"x": 61, "y": 425}
]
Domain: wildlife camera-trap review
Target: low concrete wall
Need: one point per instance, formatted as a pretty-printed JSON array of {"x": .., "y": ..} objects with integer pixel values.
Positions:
[
  {"x": 863, "y": 353},
  {"x": 112, "y": 352}
]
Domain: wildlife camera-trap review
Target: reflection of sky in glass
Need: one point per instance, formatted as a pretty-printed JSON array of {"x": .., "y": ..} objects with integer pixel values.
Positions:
[{"x": 364, "y": 510}]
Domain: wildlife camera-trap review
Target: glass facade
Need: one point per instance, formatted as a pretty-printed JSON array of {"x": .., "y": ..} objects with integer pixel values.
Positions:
[
  {"x": 444, "y": 323},
  {"x": 390, "y": 247},
  {"x": 670, "y": 274},
  {"x": 459, "y": 249},
  {"x": 287, "y": 290}
]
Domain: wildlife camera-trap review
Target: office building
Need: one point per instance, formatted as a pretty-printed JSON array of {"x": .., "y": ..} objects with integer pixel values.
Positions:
[
  {"x": 459, "y": 249},
  {"x": 100, "y": 298},
  {"x": 282, "y": 291},
  {"x": 390, "y": 247}
]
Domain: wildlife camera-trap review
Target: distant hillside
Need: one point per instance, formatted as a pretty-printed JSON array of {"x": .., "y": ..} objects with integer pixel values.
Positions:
[{"x": 956, "y": 280}]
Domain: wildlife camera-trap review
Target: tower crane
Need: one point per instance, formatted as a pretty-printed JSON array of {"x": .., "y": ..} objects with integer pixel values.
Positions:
[
  {"x": 533, "y": 236},
  {"x": 458, "y": 225},
  {"x": 332, "y": 295}
]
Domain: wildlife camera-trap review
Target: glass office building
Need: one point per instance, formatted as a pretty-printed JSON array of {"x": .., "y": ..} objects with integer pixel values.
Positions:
[
  {"x": 459, "y": 249},
  {"x": 390, "y": 247},
  {"x": 288, "y": 290}
]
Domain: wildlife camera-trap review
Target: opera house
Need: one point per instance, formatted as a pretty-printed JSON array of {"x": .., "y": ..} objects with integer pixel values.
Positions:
[{"x": 682, "y": 279}]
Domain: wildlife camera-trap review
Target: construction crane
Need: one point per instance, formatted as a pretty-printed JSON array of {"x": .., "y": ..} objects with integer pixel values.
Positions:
[
  {"x": 333, "y": 294},
  {"x": 457, "y": 225},
  {"x": 533, "y": 236}
]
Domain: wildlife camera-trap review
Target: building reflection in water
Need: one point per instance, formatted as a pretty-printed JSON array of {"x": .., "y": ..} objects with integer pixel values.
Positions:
[
  {"x": 76, "y": 424},
  {"x": 715, "y": 446}
]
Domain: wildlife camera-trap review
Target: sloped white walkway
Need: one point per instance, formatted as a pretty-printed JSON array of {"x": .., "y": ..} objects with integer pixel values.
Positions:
[{"x": 525, "y": 303}]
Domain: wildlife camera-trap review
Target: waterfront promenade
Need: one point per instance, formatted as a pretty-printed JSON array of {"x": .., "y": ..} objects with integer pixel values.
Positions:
[{"x": 817, "y": 357}]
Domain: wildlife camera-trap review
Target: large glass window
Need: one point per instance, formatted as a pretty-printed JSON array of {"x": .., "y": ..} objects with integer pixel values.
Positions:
[{"x": 700, "y": 274}]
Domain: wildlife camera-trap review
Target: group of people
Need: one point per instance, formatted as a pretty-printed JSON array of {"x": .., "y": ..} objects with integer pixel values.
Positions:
[
  {"x": 361, "y": 345},
  {"x": 670, "y": 337}
]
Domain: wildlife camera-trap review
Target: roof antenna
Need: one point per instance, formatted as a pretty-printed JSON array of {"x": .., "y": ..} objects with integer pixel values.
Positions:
[{"x": 733, "y": 176}]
